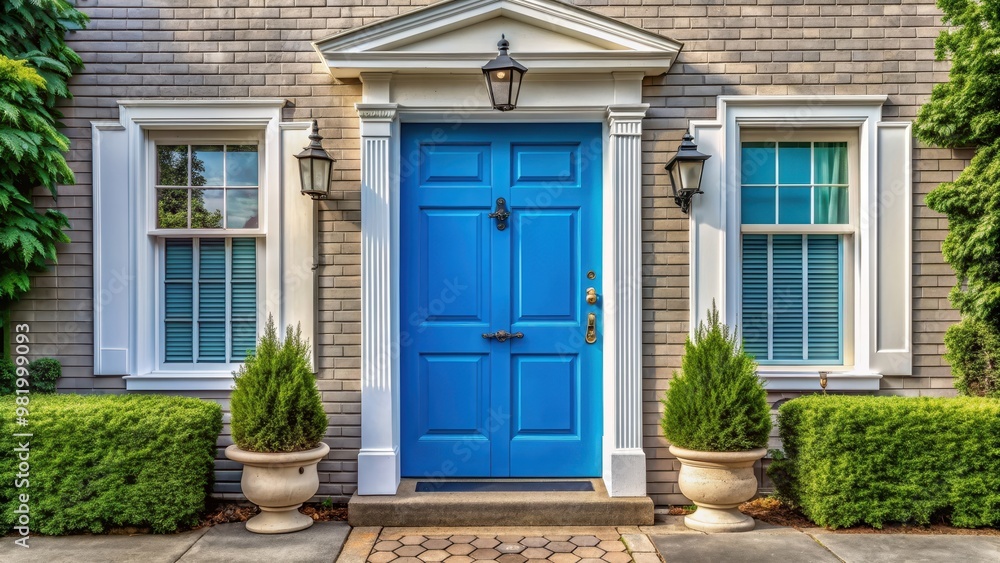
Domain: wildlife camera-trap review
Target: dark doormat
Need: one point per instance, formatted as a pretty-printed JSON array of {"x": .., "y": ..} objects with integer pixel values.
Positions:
[{"x": 503, "y": 486}]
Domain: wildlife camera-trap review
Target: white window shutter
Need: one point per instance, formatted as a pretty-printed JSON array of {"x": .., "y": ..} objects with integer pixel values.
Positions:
[
  {"x": 298, "y": 242},
  {"x": 113, "y": 278},
  {"x": 892, "y": 256}
]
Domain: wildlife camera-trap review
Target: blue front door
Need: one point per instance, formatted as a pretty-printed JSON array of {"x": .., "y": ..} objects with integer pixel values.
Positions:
[{"x": 526, "y": 406}]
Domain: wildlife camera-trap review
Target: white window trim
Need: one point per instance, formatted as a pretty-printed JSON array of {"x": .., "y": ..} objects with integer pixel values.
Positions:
[
  {"x": 715, "y": 225},
  {"x": 127, "y": 330}
]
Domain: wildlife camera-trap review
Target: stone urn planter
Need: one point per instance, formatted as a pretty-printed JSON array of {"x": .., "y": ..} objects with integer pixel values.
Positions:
[
  {"x": 717, "y": 420},
  {"x": 279, "y": 483},
  {"x": 717, "y": 483},
  {"x": 278, "y": 424}
]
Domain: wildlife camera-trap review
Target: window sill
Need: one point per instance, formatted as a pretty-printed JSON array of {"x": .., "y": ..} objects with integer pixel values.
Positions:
[
  {"x": 807, "y": 380},
  {"x": 180, "y": 381}
]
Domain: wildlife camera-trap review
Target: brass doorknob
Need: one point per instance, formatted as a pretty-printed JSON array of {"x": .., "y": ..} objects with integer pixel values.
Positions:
[{"x": 591, "y": 296}]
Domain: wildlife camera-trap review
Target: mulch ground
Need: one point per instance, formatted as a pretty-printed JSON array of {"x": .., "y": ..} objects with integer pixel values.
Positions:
[
  {"x": 224, "y": 512},
  {"x": 773, "y": 511}
]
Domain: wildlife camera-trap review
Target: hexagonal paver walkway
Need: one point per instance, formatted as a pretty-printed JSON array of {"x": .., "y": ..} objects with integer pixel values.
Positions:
[{"x": 559, "y": 545}]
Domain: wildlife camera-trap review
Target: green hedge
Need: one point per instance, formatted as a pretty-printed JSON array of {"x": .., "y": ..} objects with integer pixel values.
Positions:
[
  {"x": 849, "y": 460},
  {"x": 101, "y": 461}
]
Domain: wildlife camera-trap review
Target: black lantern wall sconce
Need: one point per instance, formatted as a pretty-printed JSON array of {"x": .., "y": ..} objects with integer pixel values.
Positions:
[
  {"x": 503, "y": 78},
  {"x": 315, "y": 166},
  {"x": 685, "y": 170}
]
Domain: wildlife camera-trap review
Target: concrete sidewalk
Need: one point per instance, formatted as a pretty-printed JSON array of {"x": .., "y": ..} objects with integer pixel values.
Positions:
[
  {"x": 226, "y": 542},
  {"x": 774, "y": 544},
  {"x": 325, "y": 542}
]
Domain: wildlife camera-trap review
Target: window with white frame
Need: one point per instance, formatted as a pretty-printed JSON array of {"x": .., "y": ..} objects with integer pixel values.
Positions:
[
  {"x": 200, "y": 232},
  {"x": 818, "y": 268},
  {"x": 798, "y": 226},
  {"x": 207, "y": 199}
]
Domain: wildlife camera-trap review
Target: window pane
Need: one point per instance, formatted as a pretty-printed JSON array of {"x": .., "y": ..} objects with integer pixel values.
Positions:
[
  {"x": 206, "y": 165},
  {"x": 206, "y": 209},
  {"x": 794, "y": 163},
  {"x": 241, "y": 209},
  {"x": 825, "y": 299},
  {"x": 786, "y": 303},
  {"x": 831, "y": 163},
  {"x": 794, "y": 206},
  {"x": 172, "y": 208},
  {"x": 757, "y": 206},
  {"x": 757, "y": 163},
  {"x": 241, "y": 165},
  {"x": 171, "y": 165},
  {"x": 830, "y": 205},
  {"x": 754, "y": 327}
]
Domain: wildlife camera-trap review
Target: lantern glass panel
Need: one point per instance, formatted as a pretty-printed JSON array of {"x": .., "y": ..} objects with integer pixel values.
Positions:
[
  {"x": 321, "y": 175},
  {"x": 690, "y": 174},
  {"x": 305, "y": 174}
]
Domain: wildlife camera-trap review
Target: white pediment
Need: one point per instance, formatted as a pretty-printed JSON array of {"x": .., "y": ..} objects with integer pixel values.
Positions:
[{"x": 459, "y": 36}]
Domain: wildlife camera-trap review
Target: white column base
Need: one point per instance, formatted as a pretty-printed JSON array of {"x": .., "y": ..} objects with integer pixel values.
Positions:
[
  {"x": 378, "y": 472},
  {"x": 625, "y": 473}
]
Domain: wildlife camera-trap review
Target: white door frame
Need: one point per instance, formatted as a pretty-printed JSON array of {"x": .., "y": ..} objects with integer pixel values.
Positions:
[{"x": 612, "y": 98}]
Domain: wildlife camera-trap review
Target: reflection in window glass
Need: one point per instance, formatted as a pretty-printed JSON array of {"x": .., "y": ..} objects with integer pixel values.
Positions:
[
  {"x": 241, "y": 165},
  {"x": 206, "y": 165},
  {"x": 206, "y": 209},
  {"x": 172, "y": 208},
  {"x": 241, "y": 209},
  {"x": 220, "y": 168},
  {"x": 171, "y": 165}
]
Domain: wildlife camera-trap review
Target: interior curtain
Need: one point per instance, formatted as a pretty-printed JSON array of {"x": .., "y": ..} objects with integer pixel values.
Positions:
[{"x": 830, "y": 202}]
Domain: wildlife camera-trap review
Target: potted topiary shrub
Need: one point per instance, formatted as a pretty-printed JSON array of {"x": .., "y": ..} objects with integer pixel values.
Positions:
[
  {"x": 278, "y": 425},
  {"x": 716, "y": 417}
]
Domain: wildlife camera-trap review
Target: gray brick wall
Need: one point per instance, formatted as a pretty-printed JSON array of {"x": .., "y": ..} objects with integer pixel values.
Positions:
[{"x": 239, "y": 48}]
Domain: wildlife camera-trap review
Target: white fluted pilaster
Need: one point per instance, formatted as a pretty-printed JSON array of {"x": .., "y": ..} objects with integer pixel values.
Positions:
[
  {"x": 625, "y": 460},
  {"x": 378, "y": 461}
]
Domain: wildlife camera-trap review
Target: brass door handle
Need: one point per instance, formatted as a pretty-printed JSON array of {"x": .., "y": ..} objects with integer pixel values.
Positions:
[
  {"x": 502, "y": 335},
  {"x": 591, "y": 328},
  {"x": 591, "y": 296}
]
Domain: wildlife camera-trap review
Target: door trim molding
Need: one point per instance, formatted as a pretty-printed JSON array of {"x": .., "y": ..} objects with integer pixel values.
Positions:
[{"x": 623, "y": 459}]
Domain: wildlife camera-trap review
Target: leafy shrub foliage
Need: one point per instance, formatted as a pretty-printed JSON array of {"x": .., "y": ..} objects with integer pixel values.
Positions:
[
  {"x": 8, "y": 376},
  {"x": 875, "y": 460},
  {"x": 974, "y": 355},
  {"x": 44, "y": 373},
  {"x": 717, "y": 403},
  {"x": 35, "y": 64},
  {"x": 275, "y": 404},
  {"x": 101, "y": 461},
  {"x": 965, "y": 112}
]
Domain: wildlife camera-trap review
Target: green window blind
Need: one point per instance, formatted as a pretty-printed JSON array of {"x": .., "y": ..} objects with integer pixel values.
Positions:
[
  {"x": 244, "y": 297},
  {"x": 178, "y": 292},
  {"x": 793, "y": 298},
  {"x": 210, "y": 299}
]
